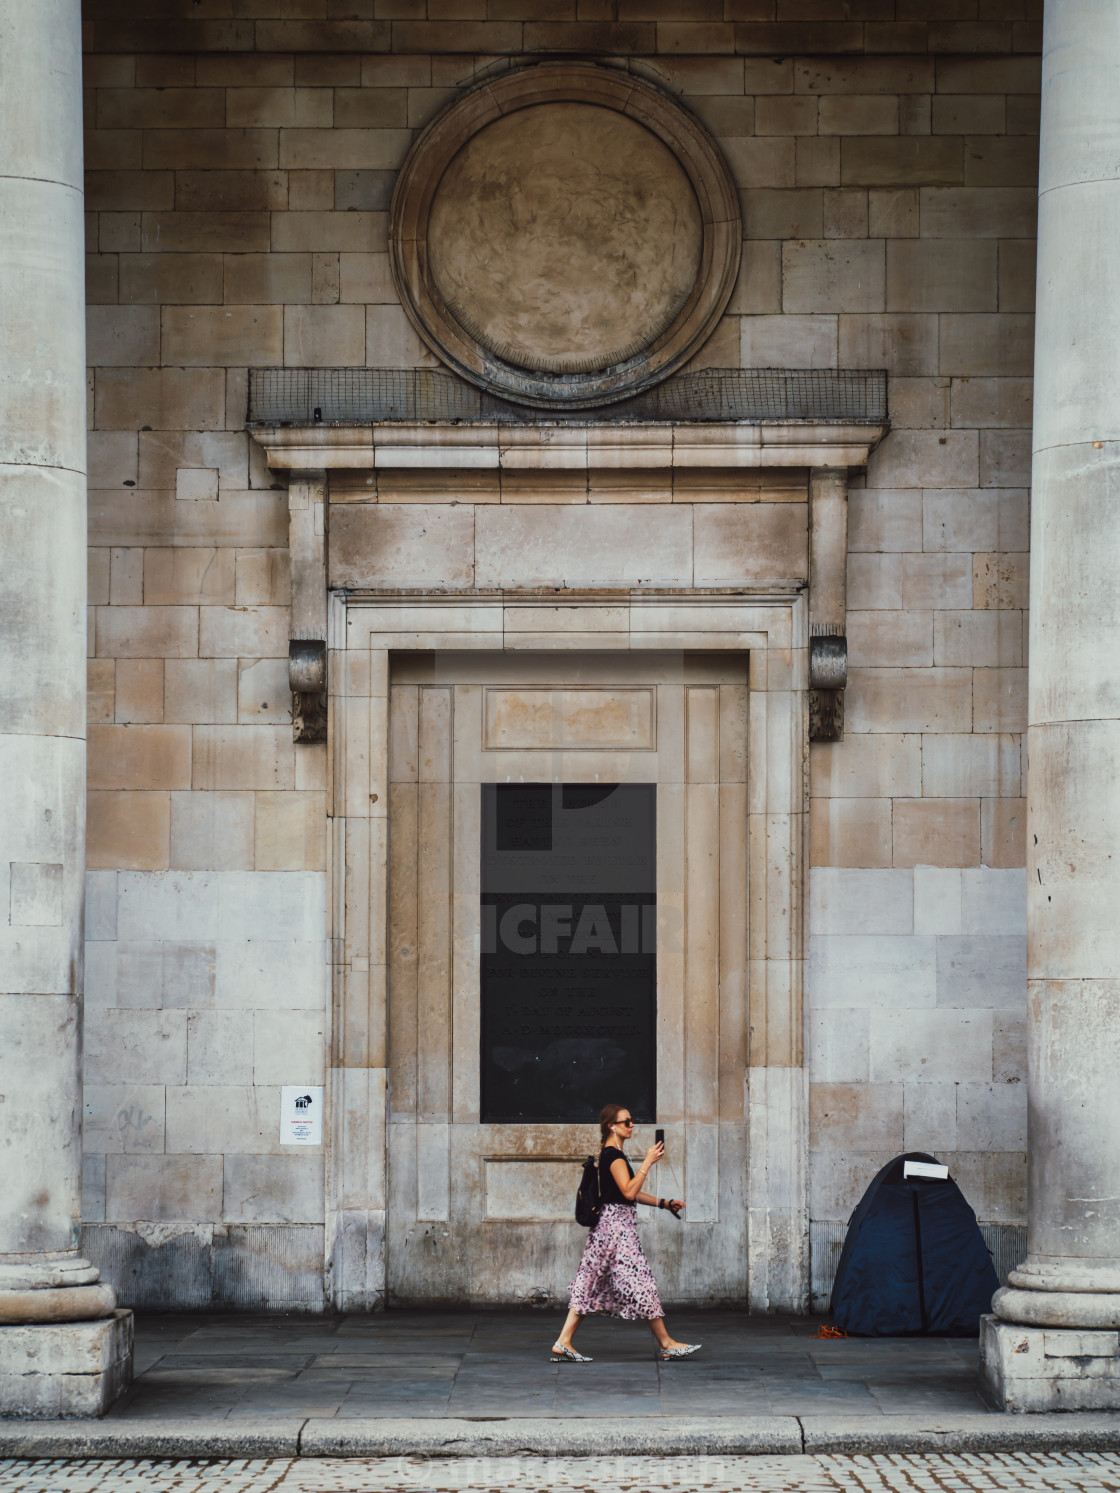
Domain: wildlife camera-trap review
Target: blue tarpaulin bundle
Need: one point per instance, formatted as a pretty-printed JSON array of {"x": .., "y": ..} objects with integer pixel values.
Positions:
[{"x": 914, "y": 1260}]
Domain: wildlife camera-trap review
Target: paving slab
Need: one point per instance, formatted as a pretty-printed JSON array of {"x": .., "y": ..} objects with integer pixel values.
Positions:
[
  {"x": 170, "y": 1437},
  {"x": 649, "y": 1436},
  {"x": 655, "y": 1436},
  {"x": 1086, "y": 1431},
  {"x": 422, "y": 1383}
]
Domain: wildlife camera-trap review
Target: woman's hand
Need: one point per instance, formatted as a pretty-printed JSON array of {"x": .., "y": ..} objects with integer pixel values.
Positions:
[
  {"x": 653, "y": 1155},
  {"x": 676, "y": 1204}
]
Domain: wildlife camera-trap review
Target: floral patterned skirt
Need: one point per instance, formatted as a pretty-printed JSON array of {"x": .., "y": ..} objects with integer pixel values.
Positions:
[{"x": 614, "y": 1275}]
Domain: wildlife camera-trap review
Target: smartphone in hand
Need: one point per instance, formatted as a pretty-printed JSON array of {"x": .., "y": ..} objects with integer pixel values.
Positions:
[{"x": 659, "y": 1140}]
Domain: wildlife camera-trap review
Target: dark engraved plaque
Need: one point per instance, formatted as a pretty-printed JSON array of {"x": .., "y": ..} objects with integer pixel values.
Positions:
[{"x": 568, "y": 951}]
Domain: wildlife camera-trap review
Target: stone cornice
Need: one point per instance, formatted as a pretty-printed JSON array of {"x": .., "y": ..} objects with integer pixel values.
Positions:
[{"x": 425, "y": 445}]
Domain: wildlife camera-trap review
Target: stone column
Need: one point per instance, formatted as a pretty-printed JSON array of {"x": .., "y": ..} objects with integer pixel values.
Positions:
[
  {"x": 45, "y": 1370},
  {"x": 1053, "y": 1342}
]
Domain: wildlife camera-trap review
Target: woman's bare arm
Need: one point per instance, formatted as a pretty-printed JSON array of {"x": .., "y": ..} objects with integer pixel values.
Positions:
[
  {"x": 647, "y": 1197},
  {"x": 630, "y": 1187}
]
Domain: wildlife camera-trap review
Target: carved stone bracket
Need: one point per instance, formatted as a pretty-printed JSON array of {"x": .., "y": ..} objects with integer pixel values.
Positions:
[
  {"x": 828, "y": 601},
  {"x": 307, "y": 677},
  {"x": 307, "y": 650}
]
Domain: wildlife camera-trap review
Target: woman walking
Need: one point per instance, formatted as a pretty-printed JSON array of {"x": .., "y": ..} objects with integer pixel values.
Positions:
[{"x": 614, "y": 1275}]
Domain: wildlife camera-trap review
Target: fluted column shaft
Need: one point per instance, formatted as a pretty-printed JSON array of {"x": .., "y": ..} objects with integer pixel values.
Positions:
[
  {"x": 42, "y": 663},
  {"x": 1072, "y": 1275}
]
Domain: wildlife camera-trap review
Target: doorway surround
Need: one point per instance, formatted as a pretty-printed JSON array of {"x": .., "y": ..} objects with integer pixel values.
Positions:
[{"x": 343, "y": 555}]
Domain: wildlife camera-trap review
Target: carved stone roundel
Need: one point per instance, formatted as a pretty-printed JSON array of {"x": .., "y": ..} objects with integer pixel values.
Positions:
[{"x": 565, "y": 235}]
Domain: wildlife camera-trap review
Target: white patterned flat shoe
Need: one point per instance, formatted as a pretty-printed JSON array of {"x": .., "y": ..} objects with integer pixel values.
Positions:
[
  {"x": 686, "y": 1350},
  {"x": 568, "y": 1355}
]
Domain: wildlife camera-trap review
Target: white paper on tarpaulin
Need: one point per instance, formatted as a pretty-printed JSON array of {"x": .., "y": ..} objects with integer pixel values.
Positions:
[
  {"x": 301, "y": 1115},
  {"x": 932, "y": 1170}
]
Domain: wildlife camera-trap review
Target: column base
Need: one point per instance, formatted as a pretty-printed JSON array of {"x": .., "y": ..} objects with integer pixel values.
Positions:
[
  {"x": 66, "y": 1304},
  {"x": 1088, "y": 1311},
  {"x": 62, "y": 1371},
  {"x": 1039, "y": 1369}
]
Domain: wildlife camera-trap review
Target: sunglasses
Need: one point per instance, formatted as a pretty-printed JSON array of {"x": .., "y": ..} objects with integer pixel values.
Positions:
[{"x": 625, "y": 1122}]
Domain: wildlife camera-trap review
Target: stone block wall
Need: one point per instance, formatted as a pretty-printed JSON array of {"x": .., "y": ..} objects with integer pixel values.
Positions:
[
  {"x": 916, "y": 1033},
  {"x": 206, "y": 990},
  {"x": 240, "y": 165}
]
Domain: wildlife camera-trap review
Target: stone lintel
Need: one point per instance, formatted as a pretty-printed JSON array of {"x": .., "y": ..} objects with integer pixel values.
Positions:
[
  {"x": 64, "y": 1370},
  {"x": 425, "y": 445}
]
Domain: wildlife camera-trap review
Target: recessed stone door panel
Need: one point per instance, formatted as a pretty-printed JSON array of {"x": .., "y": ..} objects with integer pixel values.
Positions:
[
  {"x": 622, "y": 719},
  {"x": 483, "y": 1211},
  {"x": 529, "y": 1191}
]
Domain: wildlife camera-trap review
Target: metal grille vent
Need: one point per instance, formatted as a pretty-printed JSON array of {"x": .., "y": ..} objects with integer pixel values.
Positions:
[{"x": 365, "y": 396}]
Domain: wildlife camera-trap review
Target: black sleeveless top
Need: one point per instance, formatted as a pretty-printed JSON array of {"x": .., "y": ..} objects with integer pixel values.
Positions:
[{"x": 608, "y": 1187}]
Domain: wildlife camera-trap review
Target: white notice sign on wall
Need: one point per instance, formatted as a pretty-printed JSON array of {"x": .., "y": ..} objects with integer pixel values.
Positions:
[{"x": 301, "y": 1115}]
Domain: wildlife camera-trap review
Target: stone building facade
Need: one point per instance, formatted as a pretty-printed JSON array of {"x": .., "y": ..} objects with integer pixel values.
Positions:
[
  {"x": 238, "y": 217},
  {"x": 846, "y": 975}
]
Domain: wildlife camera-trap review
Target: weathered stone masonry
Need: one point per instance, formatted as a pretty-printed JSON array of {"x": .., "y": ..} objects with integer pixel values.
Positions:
[
  {"x": 238, "y": 178},
  {"x": 239, "y": 211}
]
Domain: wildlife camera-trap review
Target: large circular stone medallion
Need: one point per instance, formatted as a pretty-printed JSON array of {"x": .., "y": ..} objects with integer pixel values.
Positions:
[{"x": 565, "y": 235}]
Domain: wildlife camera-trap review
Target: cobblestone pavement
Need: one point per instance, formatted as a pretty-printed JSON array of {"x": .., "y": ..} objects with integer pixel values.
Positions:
[
  {"x": 996, "y": 1472},
  {"x": 430, "y": 1365}
]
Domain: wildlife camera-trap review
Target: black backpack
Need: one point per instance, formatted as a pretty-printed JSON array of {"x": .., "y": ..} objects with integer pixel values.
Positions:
[{"x": 587, "y": 1197}]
